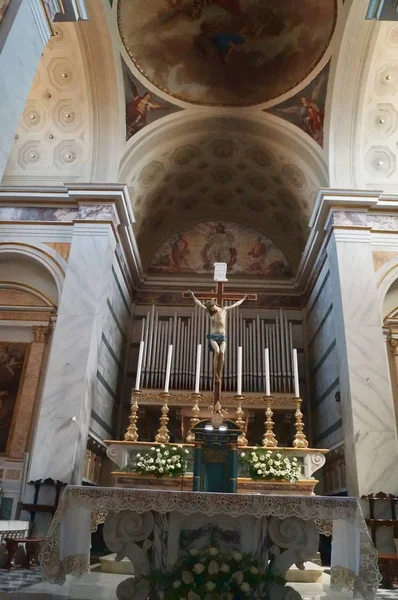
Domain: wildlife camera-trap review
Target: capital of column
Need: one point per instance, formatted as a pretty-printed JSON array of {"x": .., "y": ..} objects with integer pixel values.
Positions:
[
  {"x": 41, "y": 333},
  {"x": 393, "y": 345}
]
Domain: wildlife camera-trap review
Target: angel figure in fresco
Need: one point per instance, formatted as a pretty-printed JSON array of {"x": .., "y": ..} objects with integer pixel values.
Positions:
[
  {"x": 137, "y": 112},
  {"x": 310, "y": 111}
]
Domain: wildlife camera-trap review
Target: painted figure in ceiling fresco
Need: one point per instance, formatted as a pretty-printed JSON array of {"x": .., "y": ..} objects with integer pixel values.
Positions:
[
  {"x": 180, "y": 252},
  {"x": 137, "y": 111},
  {"x": 219, "y": 248},
  {"x": 311, "y": 110}
]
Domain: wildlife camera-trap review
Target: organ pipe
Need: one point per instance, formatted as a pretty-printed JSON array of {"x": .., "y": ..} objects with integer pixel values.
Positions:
[{"x": 253, "y": 333}]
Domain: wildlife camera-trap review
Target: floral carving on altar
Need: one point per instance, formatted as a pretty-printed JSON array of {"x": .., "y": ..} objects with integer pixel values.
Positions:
[{"x": 246, "y": 252}]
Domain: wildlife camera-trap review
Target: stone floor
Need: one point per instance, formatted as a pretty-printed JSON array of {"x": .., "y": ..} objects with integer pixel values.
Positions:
[{"x": 28, "y": 585}]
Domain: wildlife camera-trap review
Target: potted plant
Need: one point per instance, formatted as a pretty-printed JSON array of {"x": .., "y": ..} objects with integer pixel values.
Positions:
[
  {"x": 271, "y": 465},
  {"x": 209, "y": 574},
  {"x": 161, "y": 461},
  {"x": 167, "y": 462}
]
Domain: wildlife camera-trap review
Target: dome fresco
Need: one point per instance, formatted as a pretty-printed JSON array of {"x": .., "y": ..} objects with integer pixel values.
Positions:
[{"x": 226, "y": 52}]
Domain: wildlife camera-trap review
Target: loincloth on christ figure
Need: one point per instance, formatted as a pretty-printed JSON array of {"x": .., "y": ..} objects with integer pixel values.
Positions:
[{"x": 219, "y": 338}]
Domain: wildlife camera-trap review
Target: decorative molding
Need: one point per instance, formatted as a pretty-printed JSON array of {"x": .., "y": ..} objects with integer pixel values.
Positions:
[
  {"x": 153, "y": 397},
  {"x": 40, "y": 333}
]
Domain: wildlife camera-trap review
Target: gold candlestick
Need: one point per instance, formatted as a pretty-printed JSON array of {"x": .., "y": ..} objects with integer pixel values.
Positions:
[
  {"x": 300, "y": 441},
  {"x": 131, "y": 434},
  {"x": 269, "y": 439},
  {"x": 240, "y": 421},
  {"x": 195, "y": 419},
  {"x": 162, "y": 436}
]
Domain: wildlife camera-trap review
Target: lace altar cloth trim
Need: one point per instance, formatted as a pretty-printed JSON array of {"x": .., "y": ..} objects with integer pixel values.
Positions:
[{"x": 322, "y": 510}]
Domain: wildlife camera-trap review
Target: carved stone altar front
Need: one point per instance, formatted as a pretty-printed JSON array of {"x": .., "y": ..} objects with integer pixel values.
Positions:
[{"x": 157, "y": 540}]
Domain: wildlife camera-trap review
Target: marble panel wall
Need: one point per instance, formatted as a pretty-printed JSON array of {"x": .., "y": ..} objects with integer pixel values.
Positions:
[
  {"x": 366, "y": 396},
  {"x": 322, "y": 356},
  {"x": 71, "y": 383},
  {"x": 110, "y": 372}
]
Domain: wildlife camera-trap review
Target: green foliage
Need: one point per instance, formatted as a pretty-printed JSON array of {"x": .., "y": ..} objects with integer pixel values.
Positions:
[
  {"x": 267, "y": 464},
  {"x": 159, "y": 461}
]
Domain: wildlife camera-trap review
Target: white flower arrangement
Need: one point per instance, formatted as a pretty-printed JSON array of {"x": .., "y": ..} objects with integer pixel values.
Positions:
[
  {"x": 269, "y": 464},
  {"x": 161, "y": 460},
  {"x": 209, "y": 574}
]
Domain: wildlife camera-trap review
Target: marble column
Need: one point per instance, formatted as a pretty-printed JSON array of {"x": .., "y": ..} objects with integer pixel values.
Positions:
[
  {"x": 370, "y": 436},
  {"x": 27, "y": 395},
  {"x": 61, "y": 436}
]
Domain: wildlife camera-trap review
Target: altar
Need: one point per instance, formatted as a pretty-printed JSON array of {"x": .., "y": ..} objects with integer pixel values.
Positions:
[{"x": 155, "y": 530}]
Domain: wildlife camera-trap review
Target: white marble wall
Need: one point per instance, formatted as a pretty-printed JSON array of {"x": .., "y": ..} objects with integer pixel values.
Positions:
[
  {"x": 323, "y": 368},
  {"x": 71, "y": 382},
  {"x": 370, "y": 436},
  {"x": 23, "y": 35},
  {"x": 110, "y": 371}
]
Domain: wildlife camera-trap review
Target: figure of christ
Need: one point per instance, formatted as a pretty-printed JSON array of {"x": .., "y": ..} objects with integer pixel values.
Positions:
[{"x": 217, "y": 336}]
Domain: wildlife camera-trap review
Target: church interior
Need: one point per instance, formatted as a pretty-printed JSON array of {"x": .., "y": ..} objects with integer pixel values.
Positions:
[{"x": 198, "y": 299}]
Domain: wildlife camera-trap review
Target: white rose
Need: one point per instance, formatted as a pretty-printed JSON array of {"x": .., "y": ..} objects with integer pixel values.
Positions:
[
  {"x": 255, "y": 459},
  {"x": 253, "y": 570},
  {"x": 245, "y": 587},
  {"x": 166, "y": 453},
  {"x": 153, "y": 448},
  {"x": 178, "y": 465},
  {"x": 171, "y": 466},
  {"x": 174, "y": 449},
  {"x": 243, "y": 454},
  {"x": 198, "y": 568},
  {"x": 237, "y": 556},
  {"x": 162, "y": 446},
  {"x": 160, "y": 470},
  {"x": 238, "y": 576},
  {"x": 176, "y": 584},
  {"x": 186, "y": 451},
  {"x": 187, "y": 577},
  {"x": 224, "y": 568},
  {"x": 210, "y": 585},
  {"x": 138, "y": 455},
  {"x": 163, "y": 462},
  {"x": 193, "y": 596},
  {"x": 259, "y": 471},
  {"x": 213, "y": 567},
  {"x": 213, "y": 551},
  {"x": 193, "y": 552}
]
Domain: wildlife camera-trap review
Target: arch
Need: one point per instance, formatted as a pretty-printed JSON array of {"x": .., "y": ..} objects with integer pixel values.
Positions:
[
  {"x": 44, "y": 258},
  {"x": 254, "y": 171}
]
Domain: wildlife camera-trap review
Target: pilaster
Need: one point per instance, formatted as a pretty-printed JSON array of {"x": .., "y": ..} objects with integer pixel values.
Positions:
[
  {"x": 370, "y": 435},
  {"x": 61, "y": 435},
  {"x": 28, "y": 394}
]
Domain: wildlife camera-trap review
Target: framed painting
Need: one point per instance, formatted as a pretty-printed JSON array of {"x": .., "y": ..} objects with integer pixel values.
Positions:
[{"x": 12, "y": 357}]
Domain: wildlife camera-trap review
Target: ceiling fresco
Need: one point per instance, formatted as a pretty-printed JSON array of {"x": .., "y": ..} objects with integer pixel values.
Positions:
[
  {"x": 307, "y": 108},
  {"x": 226, "y": 52},
  {"x": 142, "y": 106},
  {"x": 246, "y": 252},
  {"x": 220, "y": 177}
]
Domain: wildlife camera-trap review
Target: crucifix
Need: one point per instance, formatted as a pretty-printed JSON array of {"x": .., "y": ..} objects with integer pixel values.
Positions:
[{"x": 213, "y": 304}]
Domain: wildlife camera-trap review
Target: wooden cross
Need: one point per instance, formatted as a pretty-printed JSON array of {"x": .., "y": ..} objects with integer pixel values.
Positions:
[
  {"x": 220, "y": 271},
  {"x": 219, "y": 294}
]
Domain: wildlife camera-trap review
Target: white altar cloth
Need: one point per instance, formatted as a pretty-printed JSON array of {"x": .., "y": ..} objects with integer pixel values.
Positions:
[{"x": 67, "y": 547}]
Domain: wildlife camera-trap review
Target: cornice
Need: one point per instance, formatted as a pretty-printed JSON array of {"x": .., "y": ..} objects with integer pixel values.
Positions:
[{"x": 77, "y": 196}]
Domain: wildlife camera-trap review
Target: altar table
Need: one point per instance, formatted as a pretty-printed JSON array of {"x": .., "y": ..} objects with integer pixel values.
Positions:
[{"x": 146, "y": 526}]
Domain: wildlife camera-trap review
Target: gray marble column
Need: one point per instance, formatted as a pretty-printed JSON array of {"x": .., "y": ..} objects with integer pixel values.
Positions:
[
  {"x": 370, "y": 436},
  {"x": 62, "y": 426}
]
